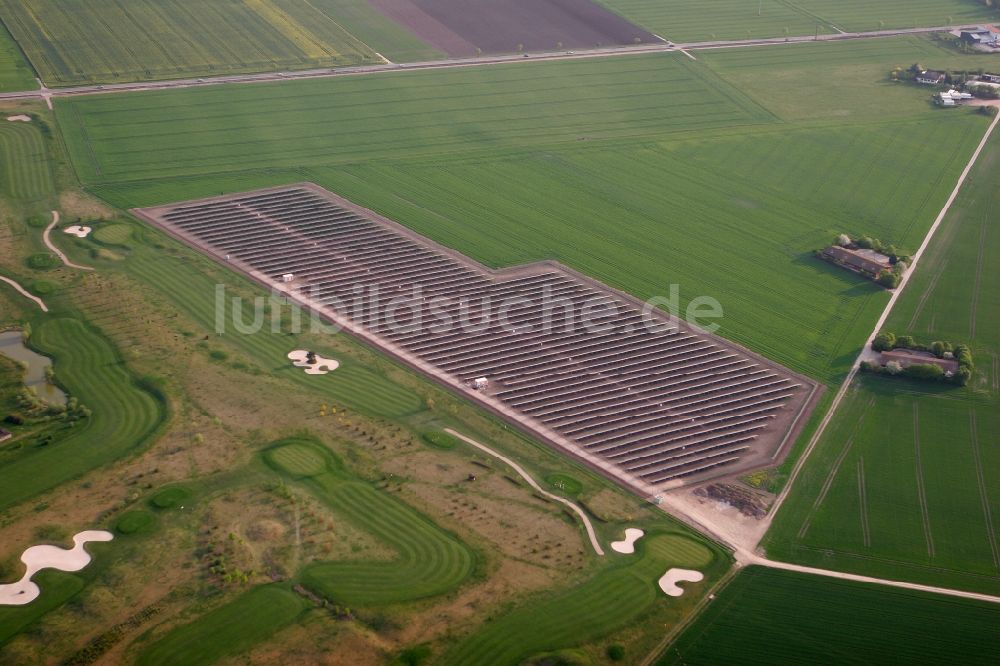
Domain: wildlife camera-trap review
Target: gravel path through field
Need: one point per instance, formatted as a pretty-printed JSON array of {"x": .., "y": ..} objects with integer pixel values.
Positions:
[
  {"x": 24, "y": 292},
  {"x": 55, "y": 250},
  {"x": 517, "y": 468}
]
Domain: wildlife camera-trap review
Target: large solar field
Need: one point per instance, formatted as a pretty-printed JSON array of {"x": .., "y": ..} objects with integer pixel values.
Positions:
[{"x": 646, "y": 398}]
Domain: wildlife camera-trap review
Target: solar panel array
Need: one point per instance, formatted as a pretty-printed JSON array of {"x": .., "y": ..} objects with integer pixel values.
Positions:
[{"x": 659, "y": 401}]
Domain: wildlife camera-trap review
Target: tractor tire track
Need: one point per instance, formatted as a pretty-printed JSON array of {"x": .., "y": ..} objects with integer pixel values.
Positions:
[
  {"x": 979, "y": 278},
  {"x": 983, "y": 494},
  {"x": 863, "y": 503},
  {"x": 921, "y": 490}
]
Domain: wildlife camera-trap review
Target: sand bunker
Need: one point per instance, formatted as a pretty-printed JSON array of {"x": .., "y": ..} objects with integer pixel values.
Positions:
[
  {"x": 320, "y": 367},
  {"x": 627, "y": 546},
  {"x": 78, "y": 231},
  {"x": 37, "y": 558},
  {"x": 669, "y": 580},
  {"x": 19, "y": 119}
]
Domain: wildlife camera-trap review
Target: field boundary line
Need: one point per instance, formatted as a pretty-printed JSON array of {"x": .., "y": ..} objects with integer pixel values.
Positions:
[
  {"x": 534, "y": 484},
  {"x": 925, "y": 514},
  {"x": 24, "y": 292},
  {"x": 842, "y": 391},
  {"x": 57, "y": 251},
  {"x": 984, "y": 496}
]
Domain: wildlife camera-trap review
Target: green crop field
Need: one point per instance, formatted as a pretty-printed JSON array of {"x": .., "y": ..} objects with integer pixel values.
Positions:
[
  {"x": 611, "y": 599},
  {"x": 767, "y": 616},
  {"x": 74, "y": 41},
  {"x": 497, "y": 168},
  {"x": 25, "y": 173},
  {"x": 696, "y": 21},
  {"x": 699, "y": 21},
  {"x": 866, "y": 15},
  {"x": 842, "y": 83},
  {"x": 15, "y": 73},
  {"x": 429, "y": 561},
  {"x": 907, "y": 479},
  {"x": 228, "y": 630},
  {"x": 124, "y": 416}
]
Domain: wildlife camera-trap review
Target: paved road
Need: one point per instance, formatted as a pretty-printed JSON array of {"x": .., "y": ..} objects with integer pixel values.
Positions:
[{"x": 49, "y": 93}]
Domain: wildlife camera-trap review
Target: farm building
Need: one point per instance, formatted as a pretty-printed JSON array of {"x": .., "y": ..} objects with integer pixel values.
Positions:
[
  {"x": 930, "y": 77},
  {"x": 988, "y": 36},
  {"x": 867, "y": 261},
  {"x": 5, "y": 435},
  {"x": 908, "y": 357},
  {"x": 991, "y": 78},
  {"x": 951, "y": 98}
]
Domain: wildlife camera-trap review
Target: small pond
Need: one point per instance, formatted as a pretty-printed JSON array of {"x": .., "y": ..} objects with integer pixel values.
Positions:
[{"x": 12, "y": 346}]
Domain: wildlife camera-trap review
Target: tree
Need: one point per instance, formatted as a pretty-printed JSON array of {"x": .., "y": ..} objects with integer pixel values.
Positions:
[
  {"x": 962, "y": 375},
  {"x": 894, "y": 367},
  {"x": 938, "y": 348},
  {"x": 884, "y": 342},
  {"x": 865, "y": 242},
  {"x": 311, "y": 357},
  {"x": 906, "y": 342},
  {"x": 616, "y": 652},
  {"x": 843, "y": 240},
  {"x": 888, "y": 279}
]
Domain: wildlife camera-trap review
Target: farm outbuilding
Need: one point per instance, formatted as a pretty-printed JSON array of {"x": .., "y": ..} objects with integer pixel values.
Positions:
[
  {"x": 868, "y": 261},
  {"x": 908, "y": 357}
]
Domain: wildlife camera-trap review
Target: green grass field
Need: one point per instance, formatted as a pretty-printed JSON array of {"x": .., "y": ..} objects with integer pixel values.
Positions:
[
  {"x": 124, "y": 416},
  {"x": 766, "y": 616},
  {"x": 620, "y": 593},
  {"x": 73, "y": 41},
  {"x": 25, "y": 172},
  {"x": 228, "y": 630},
  {"x": 906, "y": 481},
  {"x": 694, "y": 21},
  {"x": 15, "y": 73},
  {"x": 429, "y": 561},
  {"x": 187, "y": 284},
  {"x": 630, "y": 175}
]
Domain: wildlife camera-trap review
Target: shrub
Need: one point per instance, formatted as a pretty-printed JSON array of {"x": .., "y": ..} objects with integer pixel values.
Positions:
[
  {"x": 843, "y": 240},
  {"x": 888, "y": 279},
  {"x": 42, "y": 261},
  {"x": 414, "y": 656},
  {"x": 906, "y": 342},
  {"x": 924, "y": 371},
  {"x": 616, "y": 652},
  {"x": 884, "y": 342},
  {"x": 962, "y": 375},
  {"x": 894, "y": 367}
]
